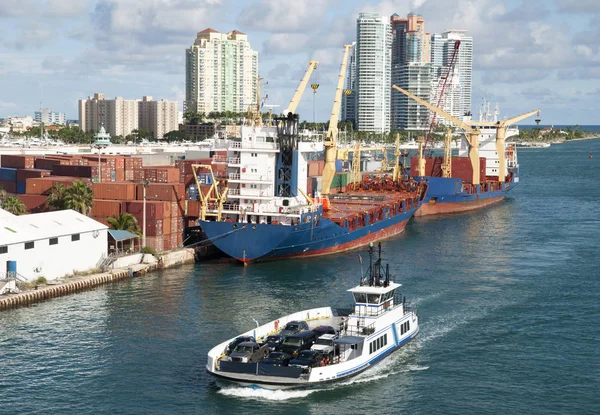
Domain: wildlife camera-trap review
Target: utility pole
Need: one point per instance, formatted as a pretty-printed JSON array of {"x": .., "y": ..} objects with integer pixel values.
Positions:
[{"x": 144, "y": 183}]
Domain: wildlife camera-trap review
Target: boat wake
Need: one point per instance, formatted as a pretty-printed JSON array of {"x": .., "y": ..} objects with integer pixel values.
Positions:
[{"x": 266, "y": 394}]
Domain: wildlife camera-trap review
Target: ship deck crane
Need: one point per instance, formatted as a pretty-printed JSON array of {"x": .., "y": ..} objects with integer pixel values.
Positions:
[
  {"x": 312, "y": 65},
  {"x": 342, "y": 154},
  {"x": 215, "y": 196},
  {"x": 332, "y": 133},
  {"x": 501, "y": 127},
  {"x": 471, "y": 132}
]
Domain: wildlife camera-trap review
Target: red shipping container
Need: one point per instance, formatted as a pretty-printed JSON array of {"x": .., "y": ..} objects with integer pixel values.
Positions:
[
  {"x": 154, "y": 227},
  {"x": 193, "y": 208},
  {"x": 24, "y": 174},
  {"x": 106, "y": 208},
  {"x": 46, "y": 163},
  {"x": 166, "y": 226},
  {"x": 74, "y": 171},
  {"x": 154, "y": 209},
  {"x": 167, "y": 243},
  {"x": 162, "y": 191},
  {"x": 34, "y": 203},
  {"x": 17, "y": 161},
  {"x": 117, "y": 191},
  {"x": 9, "y": 186},
  {"x": 41, "y": 186},
  {"x": 155, "y": 242}
]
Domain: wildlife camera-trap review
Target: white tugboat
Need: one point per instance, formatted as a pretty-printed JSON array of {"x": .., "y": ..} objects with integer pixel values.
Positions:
[{"x": 321, "y": 345}]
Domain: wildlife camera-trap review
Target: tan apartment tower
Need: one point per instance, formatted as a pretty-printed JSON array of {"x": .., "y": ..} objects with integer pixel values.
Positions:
[
  {"x": 221, "y": 73},
  {"x": 158, "y": 117},
  {"x": 119, "y": 116}
]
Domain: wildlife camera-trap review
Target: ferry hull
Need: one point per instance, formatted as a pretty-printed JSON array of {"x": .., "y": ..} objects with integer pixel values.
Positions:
[{"x": 259, "y": 242}]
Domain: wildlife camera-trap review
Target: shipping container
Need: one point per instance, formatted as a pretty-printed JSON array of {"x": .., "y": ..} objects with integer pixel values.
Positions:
[
  {"x": 106, "y": 208},
  {"x": 21, "y": 187},
  {"x": 34, "y": 203},
  {"x": 41, "y": 186},
  {"x": 117, "y": 191},
  {"x": 8, "y": 174},
  {"x": 162, "y": 191},
  {"x": 17, "y": 161},
  {"x": 193, "y": 208},
  {"x": 9, "y": 186},
  {"x": 156, "y": 243},
  {"x": 154, "y": 209},
  {"x": 24, "y": 174},
  {"x": 73, "y": 171},
  {"x": 153, "y": 227}
]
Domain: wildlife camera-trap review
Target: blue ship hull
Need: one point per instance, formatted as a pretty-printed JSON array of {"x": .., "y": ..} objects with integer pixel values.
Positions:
[{"x": 249, "y": 242}]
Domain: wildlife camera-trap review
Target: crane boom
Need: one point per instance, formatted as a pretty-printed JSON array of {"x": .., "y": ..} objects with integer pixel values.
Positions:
[
  {"x": 312, "y": 65},
  {"x": 332, "y": 132},
  {"x": 471, "y": 132}
]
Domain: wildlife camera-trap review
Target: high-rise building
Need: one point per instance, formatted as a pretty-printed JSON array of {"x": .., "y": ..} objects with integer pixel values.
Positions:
[
  {"x": 349, "y": 97},
  {"x": 119, "y": 116},
  {"x": 373, "y": 72},
  {"x": 457, "y": 96},
  {"x": 158, "y": 117},
  {"x": 411, "y": 70},
  {"x": 221, "y": 73},
  {"x": 47, "y": 116}
]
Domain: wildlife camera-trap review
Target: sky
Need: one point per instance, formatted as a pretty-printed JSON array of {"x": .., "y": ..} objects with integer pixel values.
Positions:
[{"x": 526, "y": 54}]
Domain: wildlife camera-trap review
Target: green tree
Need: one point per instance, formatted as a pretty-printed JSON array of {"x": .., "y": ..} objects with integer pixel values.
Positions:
[
  {"x": 79, "y": 197},
  {"x": 175, "y": 135},
  {"x": 2, "y": 194},
  {"x": 14, "y": 205},
  {"x": 124, "y": 222},
  {"x": 56, "y": 198}
]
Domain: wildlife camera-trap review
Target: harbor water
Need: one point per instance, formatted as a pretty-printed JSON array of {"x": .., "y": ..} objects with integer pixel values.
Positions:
[{"x": 507, "y": 297}]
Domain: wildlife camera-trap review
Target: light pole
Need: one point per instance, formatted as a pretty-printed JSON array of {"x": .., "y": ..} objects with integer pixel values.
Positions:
[{"x": 144, "y": 184}]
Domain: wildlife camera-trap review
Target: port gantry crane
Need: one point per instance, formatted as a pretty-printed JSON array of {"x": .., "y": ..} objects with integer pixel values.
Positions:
[
  {"x": 312, "y": 65},
  {"x": 501, "y": 127},
  {"x": 330, "y": 143},
  {"x": 471, "y": 133}
]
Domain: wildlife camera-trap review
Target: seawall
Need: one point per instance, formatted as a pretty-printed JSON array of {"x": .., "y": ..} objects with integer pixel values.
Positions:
[{"x": 77, "y": 284}]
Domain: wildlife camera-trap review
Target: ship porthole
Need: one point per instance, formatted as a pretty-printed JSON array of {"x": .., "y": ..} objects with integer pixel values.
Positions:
[{"x": 234, "y": 226}]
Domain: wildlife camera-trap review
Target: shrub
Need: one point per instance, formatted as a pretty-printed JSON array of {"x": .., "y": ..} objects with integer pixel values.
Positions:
[{"x": 148, "y": 250}]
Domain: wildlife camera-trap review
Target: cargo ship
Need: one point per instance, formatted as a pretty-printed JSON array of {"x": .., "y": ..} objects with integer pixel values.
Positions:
[
  {"x": 268, "y": 214},
  {"x": 484, "y": 171},
  {"x": 261, "y": 209}
]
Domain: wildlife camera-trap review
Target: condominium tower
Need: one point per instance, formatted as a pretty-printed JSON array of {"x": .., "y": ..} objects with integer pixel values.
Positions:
[
  {"x": 411, "y": 70},
  {"x": 158, "y": 117},
  {"x": 221, "y": 73},
  {"x": 119, "y": 116},
  {"x": 349, "y": 97},
  {"x": 457, "y": 100},
  {"x": 373, "y": 72},
  {"x": 47, "y": 116}
]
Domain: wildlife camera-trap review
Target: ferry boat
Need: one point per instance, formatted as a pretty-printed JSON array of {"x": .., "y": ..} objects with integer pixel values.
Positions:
[{"x": 379, "y": 323}]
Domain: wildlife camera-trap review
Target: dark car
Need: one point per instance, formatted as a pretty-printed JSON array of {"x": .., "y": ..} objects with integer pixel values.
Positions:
[
  {"x": 308, "y": 358},
  {"x": 277, "y": 359},
  {"x": 295, "y": 343},
  {"x": 237, "y": 341},
  {"x": 324, "y": 330},
  {"x": 293, "y": 327},
  {"x": 274, "y": 341}
]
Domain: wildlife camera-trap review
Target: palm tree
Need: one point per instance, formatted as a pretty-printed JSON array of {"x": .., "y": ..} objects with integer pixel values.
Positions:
[
  {"x": 79, "y": 197},
  {"x": 124, "y": 222},
  {"x": 14, "y": 205},
  {"x": 2, "y": 195},
  {"x": 56, "y": 199}
]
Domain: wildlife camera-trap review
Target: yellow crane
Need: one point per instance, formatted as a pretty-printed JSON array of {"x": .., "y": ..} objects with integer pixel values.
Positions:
[
  {"x": 447, "y": 162},
  {"x": 342, "y": 154},
  {"x": 312, "y": 65},
  {"x": 332, "y": 133},
  {"x": 501, "y": 127},
  {"x": 471, "y": 133},
  {"x": 216, "y": 194}
]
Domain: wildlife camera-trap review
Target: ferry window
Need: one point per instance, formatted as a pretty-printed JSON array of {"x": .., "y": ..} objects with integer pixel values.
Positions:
[
  {"x": 402, "y": 329},
  {"x": 373, "y": 298},
  {"x": 385, "y": 339},
  {"x": 407, "y": 325},
  {"x": 29, "y": 245},
  {"x": 378, "y": 343},
  {"x": 53, "y": 241},
  {"x": 360, "y": 297},
  {"x": 75, "y": 237},
  {"x": 371, "y": 347},
  {"x": 3, "y": 249}
]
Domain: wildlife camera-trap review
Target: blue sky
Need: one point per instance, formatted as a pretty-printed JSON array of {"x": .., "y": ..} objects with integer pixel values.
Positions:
[{"x": 527, "y": 54}]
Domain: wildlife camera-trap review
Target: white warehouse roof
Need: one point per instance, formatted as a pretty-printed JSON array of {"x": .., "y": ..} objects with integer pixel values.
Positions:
[{"x": 24, "y": 228}]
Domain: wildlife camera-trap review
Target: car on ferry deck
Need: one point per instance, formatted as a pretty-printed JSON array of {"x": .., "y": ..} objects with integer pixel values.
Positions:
[
  {"x": 277, "y": 359},
  {"x": 295, "y": 343},
  {"x": 308, "y": 358},
  {"x": 248, "y": 352},
  {"x": 293, "y": 327},
  {"x": 236, "y": 341},
  {"x": 324, "y": 330},
  {"x": 273, "y": 342}
]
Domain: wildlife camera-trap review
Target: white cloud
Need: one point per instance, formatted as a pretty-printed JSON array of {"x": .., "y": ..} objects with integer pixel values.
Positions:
[{"x": 284, "y": 16}]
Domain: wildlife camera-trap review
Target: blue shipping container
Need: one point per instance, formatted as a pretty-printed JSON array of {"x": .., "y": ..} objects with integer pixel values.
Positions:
[
  {"x": 338, "y": 165},
  {"x": 22, "y": 187},
  {"x": 8, "y": 174}
]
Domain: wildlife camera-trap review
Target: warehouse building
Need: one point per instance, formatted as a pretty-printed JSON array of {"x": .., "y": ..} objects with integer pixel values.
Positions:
[{"x": 50, "y": 244}]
